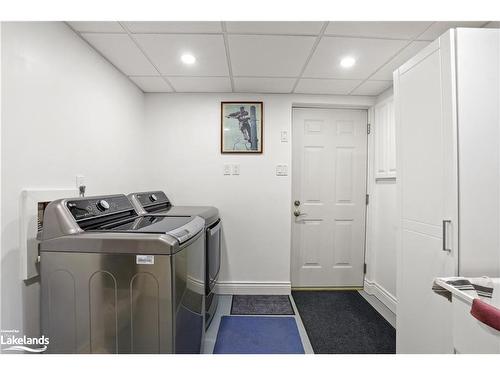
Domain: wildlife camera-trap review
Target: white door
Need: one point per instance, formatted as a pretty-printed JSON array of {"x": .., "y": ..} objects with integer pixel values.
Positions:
[
  {"x": 427, "y": 194},
  {"x": 329, "y": 191}
]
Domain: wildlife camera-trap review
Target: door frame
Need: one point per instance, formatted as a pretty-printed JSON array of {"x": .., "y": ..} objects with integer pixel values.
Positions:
[{"x": 368, "y": 188}]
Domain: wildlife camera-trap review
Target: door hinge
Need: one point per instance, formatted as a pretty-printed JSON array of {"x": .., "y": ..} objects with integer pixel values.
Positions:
[
  {"x": 367, "y": 199},
  {"x": 369, "y": 128},
  {"x": 364, "y": 268}
]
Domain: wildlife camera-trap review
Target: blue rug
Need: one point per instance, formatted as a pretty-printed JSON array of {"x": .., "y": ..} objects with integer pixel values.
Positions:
[{"x": 258, "y": 335}]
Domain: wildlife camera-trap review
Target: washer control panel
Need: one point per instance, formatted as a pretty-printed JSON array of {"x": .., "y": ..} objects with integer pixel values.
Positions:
[{"x": 99, "y": 206}]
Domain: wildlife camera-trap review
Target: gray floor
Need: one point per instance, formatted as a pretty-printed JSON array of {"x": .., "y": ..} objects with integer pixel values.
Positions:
[{"x": 224, "y": 308}]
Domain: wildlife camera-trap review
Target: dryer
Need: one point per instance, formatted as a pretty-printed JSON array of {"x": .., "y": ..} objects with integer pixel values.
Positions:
[
  {"x": 157, "y": 203},
  {"x": 113, "y": 281}
]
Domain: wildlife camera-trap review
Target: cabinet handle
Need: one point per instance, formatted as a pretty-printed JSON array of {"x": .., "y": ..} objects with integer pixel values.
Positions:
[{"x": 445, "y": 234}]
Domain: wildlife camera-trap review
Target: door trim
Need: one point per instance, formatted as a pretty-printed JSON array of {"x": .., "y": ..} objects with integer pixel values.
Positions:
[{"x": 369, "y": 118}]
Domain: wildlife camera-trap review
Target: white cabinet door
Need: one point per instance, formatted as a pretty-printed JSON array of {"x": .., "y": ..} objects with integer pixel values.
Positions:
[
  {"x": 385, "y": 140},
  {"x": 427, "y": 195},
  {"x": 329, "y": 187},
  {"x": 478, "y": 93}
]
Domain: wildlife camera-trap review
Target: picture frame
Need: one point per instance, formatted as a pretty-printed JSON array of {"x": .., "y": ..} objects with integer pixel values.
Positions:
[{"x": 242, "y": 127}]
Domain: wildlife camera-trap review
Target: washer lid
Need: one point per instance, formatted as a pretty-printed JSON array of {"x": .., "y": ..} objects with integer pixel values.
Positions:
[{"x": 181, "y": 227}]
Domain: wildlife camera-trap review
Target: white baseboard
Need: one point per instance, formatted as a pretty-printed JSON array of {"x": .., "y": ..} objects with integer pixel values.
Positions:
[
  {"x": 247, "y": 287},
  {"x": 383, "y": 301},
  {"x": 372, "y": 288}
]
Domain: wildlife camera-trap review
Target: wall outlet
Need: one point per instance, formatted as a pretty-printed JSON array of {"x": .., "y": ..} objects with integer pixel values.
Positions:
[
  {"x": 282, "y": 170},
  {"x": 284, "y": 136},
  {"x": 236, "y": 169},
  {"x": 227, "y": 169}
]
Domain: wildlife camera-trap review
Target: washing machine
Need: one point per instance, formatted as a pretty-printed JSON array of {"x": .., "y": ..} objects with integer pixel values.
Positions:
[
  {"x": 157, "y": 203},
  {"x": 113, "y": 281}
]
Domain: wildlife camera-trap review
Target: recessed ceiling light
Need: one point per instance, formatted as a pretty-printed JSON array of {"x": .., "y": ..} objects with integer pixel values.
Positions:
[
  {"x": 347, "y": 62},
  {"x": 188, "y": 59}
]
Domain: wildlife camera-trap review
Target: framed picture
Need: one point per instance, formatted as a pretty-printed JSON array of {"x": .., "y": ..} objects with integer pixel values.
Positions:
[{"x": 241, "y": 127}]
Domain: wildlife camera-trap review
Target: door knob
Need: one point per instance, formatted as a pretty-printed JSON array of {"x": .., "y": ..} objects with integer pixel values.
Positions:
[
  {"x": 296, "y": 203},
  {"x": 297, "y": 213}
]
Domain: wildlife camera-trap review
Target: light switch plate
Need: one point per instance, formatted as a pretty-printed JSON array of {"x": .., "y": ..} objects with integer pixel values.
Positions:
[
  {"x": 227, "y": 169},
  {"x": 236, "y": 169},
  {"x": 284, "y": 136},
  {"x": 282, "y": 170}
]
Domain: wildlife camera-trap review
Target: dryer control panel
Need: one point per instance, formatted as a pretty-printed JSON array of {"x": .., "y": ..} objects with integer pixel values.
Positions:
[{"x": 152, "y": 201}]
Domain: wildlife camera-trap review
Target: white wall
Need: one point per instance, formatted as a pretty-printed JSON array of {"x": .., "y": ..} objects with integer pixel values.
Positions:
[
  {"x": 183, "y": 131},
  {"x": 381, "y": 242},
  {"x": 65, "y": 111}
]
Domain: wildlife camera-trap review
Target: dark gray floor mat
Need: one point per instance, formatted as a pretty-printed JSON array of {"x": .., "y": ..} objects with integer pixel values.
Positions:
[
  {"x": 344, "y": 322},
  {"x": 261, "y": 305}
]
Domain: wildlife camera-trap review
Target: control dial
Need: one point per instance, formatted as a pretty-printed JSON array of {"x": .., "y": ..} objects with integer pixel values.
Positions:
[
  {"x": 153, "y": 197},
  {"x": 103, "y": 205}
]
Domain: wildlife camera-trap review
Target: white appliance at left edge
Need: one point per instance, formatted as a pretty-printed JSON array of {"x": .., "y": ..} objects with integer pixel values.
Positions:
[{"x": 33, "y": 202}]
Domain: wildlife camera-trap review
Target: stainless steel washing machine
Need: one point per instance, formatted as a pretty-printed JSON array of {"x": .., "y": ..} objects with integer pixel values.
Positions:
[
  {"x": 157, "y": 203},
  {"x": 116, "y": 282}
]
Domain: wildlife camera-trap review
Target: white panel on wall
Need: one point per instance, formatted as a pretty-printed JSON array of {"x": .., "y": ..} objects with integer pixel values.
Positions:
[
  {"x": 380, "y": 120},
  {"x": 391, "y": 140},
  {"x": 385, "y": 140},
  {"x": 381, "y": 242},
  {"x": 30, "y": 225}
]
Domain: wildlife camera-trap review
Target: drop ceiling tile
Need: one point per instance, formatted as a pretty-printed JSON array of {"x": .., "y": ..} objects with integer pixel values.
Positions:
[
  {"x": 385, "y": 73},
  {"x": 269, "y": 56},
  {"x": 165, "y": 51},
  {"x": 173, "y": 27},
  {"x": 326, "y": 86},
  {"x": 201, "y": 84},
  {"x": 370, "y": 54},
  {"x": 439, "y": 28},
  {"x": 96, "y": 26},
  {"x": 261, "y": 84},
  {"x": 122, "y": 52},
  {"x": 372, "y": 88},
  {"x": 275, "y": 27},
  {"x": 151, "y": 84},
  {"x": 394, "y": 30},
  {"x": 493, "y": 25}
]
